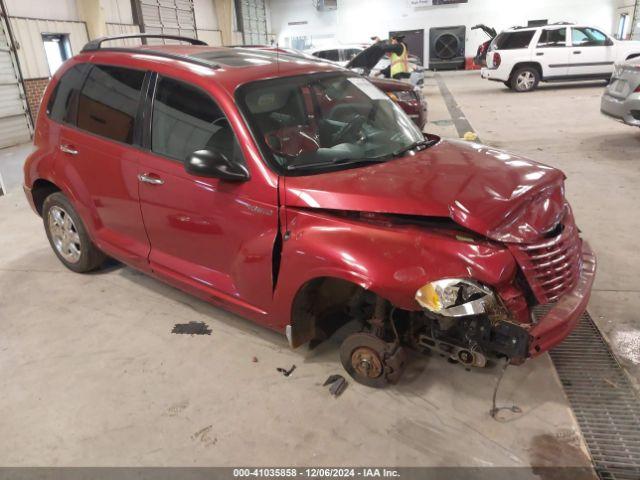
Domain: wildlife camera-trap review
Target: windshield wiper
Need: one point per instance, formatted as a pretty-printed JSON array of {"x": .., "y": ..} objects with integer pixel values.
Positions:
[
  {"x": 415, "y": 145},
  {"x": 331, "y": 163}
]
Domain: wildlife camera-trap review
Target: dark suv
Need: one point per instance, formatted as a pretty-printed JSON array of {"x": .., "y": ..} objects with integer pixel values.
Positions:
[{"x": 302, "y": 197}]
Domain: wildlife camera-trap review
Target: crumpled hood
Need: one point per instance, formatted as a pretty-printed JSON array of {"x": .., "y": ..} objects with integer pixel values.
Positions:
[{"x": 501, "y": 196}]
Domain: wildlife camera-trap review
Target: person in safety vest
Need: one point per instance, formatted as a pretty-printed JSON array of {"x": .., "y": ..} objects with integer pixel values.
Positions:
[{"x": 399, "y": 57}]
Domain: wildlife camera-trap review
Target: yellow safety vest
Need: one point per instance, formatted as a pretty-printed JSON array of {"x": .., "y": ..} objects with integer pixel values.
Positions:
[{"x": 400, "y": 63}]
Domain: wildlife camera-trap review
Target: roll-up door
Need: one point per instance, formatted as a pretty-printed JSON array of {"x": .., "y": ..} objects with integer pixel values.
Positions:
[
  {"x": 15, "y": 126},
  {"x": 253, "y": 17},
  {"x": 168, "y": 17}
]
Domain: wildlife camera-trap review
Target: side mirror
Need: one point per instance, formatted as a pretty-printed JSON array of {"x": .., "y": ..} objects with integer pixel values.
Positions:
[
  {"x": 213, "y": 163},
  {"x": 609, "y": 43}
]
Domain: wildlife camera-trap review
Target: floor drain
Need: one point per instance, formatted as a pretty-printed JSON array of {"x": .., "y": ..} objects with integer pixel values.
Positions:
[
  {"x": 191, "y": 328},
  {"x": 603, "y": 400}
]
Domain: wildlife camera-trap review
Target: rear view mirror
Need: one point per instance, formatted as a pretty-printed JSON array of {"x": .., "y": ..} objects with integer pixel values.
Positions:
[{"x": 214, "y": 164}]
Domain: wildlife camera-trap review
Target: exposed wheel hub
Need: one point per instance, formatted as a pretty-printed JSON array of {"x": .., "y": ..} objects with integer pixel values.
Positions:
[
  {"x": 372, "y": 361},
  {"x": 366, "y": 362}
]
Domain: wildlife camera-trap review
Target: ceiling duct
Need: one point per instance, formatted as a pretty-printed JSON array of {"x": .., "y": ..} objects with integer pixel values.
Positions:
[{"x": 325, "y": 5}]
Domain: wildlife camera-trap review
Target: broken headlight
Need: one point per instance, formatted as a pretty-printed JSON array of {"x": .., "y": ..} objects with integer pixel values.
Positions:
[{"x": 453, "y": 297}]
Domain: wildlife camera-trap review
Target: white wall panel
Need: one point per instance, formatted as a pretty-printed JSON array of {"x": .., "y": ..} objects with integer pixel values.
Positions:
[
  {"x": 117, "y": 11},
  {"x": 212, "y": 37},
  {"x": 28, "y": 35},
  {"x": 205, "y": 13},
  {"x": 120, "y": 29},
  {"x": 49, "y": 9},
  {"x": 358, "y": 20}
]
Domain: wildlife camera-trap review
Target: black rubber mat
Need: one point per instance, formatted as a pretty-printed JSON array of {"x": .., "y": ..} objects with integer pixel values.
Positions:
[{"x": 604, "y": 402}]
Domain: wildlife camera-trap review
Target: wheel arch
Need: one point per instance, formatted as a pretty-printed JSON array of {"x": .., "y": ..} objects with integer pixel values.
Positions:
[
  {"x": 633, "y": 55},
  {"x": 520, "y": 65},
  {"x": 40, "y": 190},
  {"x": 314, "y": 304}
]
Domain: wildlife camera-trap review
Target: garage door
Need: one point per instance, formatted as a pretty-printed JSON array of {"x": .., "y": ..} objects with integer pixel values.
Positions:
[
  {"x": 253, "y": 17},
  {"x": 168, "y": 17},
  {"x": 15, "y": 126}
]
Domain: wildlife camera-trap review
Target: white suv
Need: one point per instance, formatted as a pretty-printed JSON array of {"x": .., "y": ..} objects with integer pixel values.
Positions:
[{"x": 522, "y": 57}]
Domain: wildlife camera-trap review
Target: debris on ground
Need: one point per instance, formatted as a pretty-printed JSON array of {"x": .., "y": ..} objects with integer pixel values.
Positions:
[
  {"x": 254, "y": 359},
  {"x": 191, "y": 328},
  {"x": 338, "y": 384},
  {"x": 285, "y": 372}
]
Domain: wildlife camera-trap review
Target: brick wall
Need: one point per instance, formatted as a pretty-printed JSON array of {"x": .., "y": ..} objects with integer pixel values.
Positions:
[{"x": 34, "y": 89}]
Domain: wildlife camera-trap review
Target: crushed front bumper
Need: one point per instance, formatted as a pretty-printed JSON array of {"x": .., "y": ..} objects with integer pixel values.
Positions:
[
  {"x": 626, "y": 110},
  {"x": 558, "y": 323}
]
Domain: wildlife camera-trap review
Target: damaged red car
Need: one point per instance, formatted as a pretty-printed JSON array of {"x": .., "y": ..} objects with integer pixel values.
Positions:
[{"x": 300, "y": 196}]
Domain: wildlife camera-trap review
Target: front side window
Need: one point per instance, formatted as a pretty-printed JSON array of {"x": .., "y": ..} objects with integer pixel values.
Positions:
[
  {"x": 109, "y": 102},
  {"x": 550, "y": 38},
  {"x": 186, "y": 119},
  {"x": 513, "y": 40},
  {"x": 324, "y": 121},
  {"x": 588, "y": 37},
  {"x": 63, "y": 104}
]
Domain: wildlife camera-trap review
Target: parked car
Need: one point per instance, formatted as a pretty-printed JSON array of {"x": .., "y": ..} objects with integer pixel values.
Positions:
[
  {"x": 523, "y": 57},
  {"x": 621, "y": 99},
  {"x": 408, "y": 95},
  {"x": 344, "y": 54},
  {"x": 481, "y": 56},
  {"x": 298, "y": 195}
]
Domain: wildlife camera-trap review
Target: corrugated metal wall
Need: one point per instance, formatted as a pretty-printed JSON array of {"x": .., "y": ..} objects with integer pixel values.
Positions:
[
  {"x": 254, "y": 21},
  {"x": 28, "y": 34},
  {"x": 168, "y": 17}
]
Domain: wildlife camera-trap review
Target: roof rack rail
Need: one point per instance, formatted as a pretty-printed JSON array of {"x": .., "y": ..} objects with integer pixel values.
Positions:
[
  {"x": 562, "y": 23},
  {"x": 97, "y": 43}
]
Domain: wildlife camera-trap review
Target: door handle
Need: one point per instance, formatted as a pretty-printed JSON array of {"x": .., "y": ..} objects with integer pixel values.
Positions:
[
  {"x": 68, "y": 149},
  {"x": 577, "y": 52},
  {"x": 540, "y": 54},
  {"x": 151, "y": 179}
]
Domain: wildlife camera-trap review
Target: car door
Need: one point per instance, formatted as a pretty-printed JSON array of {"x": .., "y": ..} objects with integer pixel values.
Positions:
[
  {"x": 207, "y": 235},
  {"x": 552, "y": 51},
  {"x": 592, "y": 53},
  {"x": 98, "y": 157}
]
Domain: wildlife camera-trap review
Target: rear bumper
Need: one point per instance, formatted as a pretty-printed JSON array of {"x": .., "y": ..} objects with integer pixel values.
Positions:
[
  {"x": 495, "y": 74},
  {"x": 556, "y": 325},
  {"x": 626, "y": 110}
]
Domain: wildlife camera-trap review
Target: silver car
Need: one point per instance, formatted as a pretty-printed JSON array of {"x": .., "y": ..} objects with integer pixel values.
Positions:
[{"x": 621, "y": 100}]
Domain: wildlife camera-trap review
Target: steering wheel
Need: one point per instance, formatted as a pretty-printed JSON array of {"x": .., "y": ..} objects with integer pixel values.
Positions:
[{"x": 354, "y": 126}]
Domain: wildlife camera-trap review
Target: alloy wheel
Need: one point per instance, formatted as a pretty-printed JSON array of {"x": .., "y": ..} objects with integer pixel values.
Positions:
[
  {"x": 64, "y": 234},
  {"x": 525, "y": 81}
]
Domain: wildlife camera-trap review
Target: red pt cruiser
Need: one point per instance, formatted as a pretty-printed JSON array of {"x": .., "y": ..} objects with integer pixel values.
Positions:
[{"x": 300, "y": 196}]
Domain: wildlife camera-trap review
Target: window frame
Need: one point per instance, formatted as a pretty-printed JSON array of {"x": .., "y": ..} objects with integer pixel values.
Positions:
[
  {"x": 87, "y": 66},
  {"x": 147, "y": 117}
]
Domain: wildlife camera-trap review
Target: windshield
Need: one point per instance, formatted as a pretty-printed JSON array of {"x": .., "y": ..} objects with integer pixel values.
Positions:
[{"x": 325, "y": 121}]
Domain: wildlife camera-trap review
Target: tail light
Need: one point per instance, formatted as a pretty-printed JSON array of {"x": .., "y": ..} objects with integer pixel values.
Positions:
[{"x": 497, "y": 60}]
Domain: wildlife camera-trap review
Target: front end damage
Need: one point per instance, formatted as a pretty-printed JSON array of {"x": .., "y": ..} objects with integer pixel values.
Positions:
[{"x": 468, "y": 321}]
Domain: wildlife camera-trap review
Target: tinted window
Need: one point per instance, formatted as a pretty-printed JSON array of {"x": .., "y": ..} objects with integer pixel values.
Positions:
[
  {"x": 349, "y": 53},
  {"x": 332, "y": 55},
  {"x": 109, "y": 102},
  {"x": 186, "y": 119},
  {"x": 588, "y": 37},
  {"x": 553, "y": 38},
  {"x": 513, "y": 40},
  {"x": 63, "y": 103}
]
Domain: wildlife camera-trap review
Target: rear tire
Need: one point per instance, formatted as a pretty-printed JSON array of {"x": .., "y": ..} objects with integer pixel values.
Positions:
[
  {"x": 525, "y": 79},
  {"x": 68, "y": 236}
]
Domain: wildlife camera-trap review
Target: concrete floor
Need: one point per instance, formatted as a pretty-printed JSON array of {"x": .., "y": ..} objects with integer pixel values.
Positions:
[{"x": 90, "y": 373}]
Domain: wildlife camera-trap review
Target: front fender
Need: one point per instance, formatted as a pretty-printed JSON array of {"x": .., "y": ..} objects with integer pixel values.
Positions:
[{"x": 391, "y": 260}]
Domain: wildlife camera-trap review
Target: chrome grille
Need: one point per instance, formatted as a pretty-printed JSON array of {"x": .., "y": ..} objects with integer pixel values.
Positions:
[{"x": 551, "y": 266}]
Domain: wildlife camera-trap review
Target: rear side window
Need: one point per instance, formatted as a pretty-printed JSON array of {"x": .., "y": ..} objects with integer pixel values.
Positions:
[
  {"x": 553, "y": 38},
  {"x": 186, "y": 119},
  {"x": 513, "y": 40},
  {"x": 109, "y": 102},
  {"x": 63, "y": 104}
]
